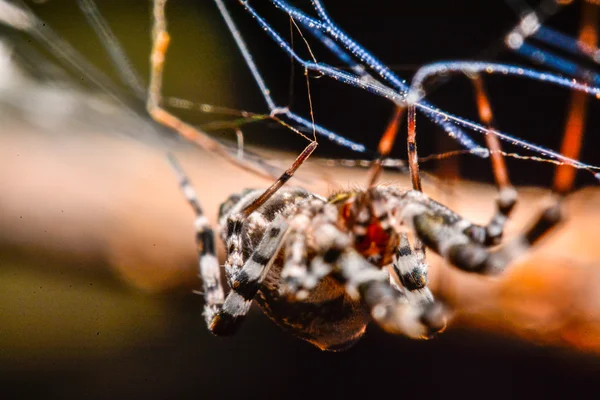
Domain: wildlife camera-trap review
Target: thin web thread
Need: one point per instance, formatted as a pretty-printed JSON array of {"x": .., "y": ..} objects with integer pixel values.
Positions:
[{"x": 327, "y": 27}]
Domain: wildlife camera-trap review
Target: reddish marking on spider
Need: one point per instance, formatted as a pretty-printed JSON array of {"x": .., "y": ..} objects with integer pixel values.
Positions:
[{"x": 375, "y": 244}]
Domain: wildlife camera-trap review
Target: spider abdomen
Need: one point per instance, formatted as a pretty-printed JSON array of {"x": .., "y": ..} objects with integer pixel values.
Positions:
[{"x": 327, "y": 318}]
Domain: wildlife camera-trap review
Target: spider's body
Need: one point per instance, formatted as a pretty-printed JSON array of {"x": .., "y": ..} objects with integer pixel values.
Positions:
[
  {"x": 321, "y": 268},
  {"x": 324, "y": 268},
  {"x": 328, "y": 316}
]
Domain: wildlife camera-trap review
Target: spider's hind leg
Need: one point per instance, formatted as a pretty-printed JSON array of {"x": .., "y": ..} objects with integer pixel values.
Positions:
[
  {"x": 212, "y": 286},
  {"x": 223, "y": 315},
  {"x": 506, "y": 199},
  {"x": 391, "y": 309}
]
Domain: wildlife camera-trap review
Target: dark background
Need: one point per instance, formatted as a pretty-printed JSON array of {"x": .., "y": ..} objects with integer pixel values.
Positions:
[{"x": 182, "y": 360}]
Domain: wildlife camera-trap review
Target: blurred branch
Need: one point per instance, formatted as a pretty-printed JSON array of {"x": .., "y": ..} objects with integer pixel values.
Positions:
[{"x": 92, "y": 198}]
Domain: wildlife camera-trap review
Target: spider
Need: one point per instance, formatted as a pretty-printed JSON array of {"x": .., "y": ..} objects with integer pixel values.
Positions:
[{"x": 323, "y": 268}]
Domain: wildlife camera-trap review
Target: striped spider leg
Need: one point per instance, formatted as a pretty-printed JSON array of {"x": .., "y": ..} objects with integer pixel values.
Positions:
[
  {"x": 245, "y": 270},
  {"x": 160, "y": 44}
]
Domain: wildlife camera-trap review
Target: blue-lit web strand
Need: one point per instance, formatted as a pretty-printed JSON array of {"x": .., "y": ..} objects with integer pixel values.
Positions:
[
  {"x": 337, "y": 51},
  {"x": 558, "y": 63},
  {"x": 338, "y": 35},
  {"x": 566, "y": 43},
  {"x": 332, "y": 136},
  {"x": 469, "y": 67},
  {"x": 241, "y": 44},
  {"x": 531, "y": 26},
  {"x": 475, "y": 67},
  {"x": 359, "y": 52},
  {"x": 439, "y": 115},
  {"x": 345, "y": 77},
  {"x": 264, "y": 89},
  {"x": 521, "y": 143},
  {"x": 342, "y": 76},
  {"x": 436, "y": 116}
]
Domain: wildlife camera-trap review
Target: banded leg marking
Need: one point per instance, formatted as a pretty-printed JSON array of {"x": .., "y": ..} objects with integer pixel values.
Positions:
[
  {"x": 390, "y": 308},
  {"x": 507, "y": 195},
  {"x": 319, "y": 219},
  {"x": 411, "y": 272},
  {"x": 295, "y": 269},
  {"x": 247, "y": 281},
  {"x": 205, "y": 242},
  {"x": 471, "y": 256}
]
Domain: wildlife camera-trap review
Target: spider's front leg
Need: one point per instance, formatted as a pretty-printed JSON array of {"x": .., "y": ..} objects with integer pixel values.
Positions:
[
  {"x": 409, "y": 273},
  {"x": 224, "y": 314},
  {"x": 247, "y": 280},
  {"x": 332, "y": 254},
  {"x": 450, "y": 240},
  {"x": 391, "y": 309}
]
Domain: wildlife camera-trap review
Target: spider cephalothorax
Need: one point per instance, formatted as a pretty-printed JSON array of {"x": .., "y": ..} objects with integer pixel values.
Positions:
[
  {"x": 313, "y": 281},
  {"x": 360, "y": 212}
]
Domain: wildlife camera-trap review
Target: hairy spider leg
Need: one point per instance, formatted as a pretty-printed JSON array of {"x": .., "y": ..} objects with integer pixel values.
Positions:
[
  {"x": 295, "y": 271},
  {"x": 334, "y": 256},
  {"x": 160, "y": 44},
  {"x": 210, "y": 274},
  {"x": 224, "y": 316},
  {"x": 247, "y": 278},
  {"x": 247, "y": 282},
  {"x": 289, "y": 173},
  {"x": 239, "y": 218},
  {"x": 390, "y": 308},
  {"x": 385, "y": 145},
  {"x": 369, "y": 221},
  {"x": 413, "y": 166},
  {"x": 573, "y": 137},
  {"x": 410, "y": 273},
  {"x": 409, "y": 265},
  {"x": 411, "y": 144},
  {"x": 464, "y": 244},
  {"x": 448, "y": 234},
  {"x": 507, "y": 195}
]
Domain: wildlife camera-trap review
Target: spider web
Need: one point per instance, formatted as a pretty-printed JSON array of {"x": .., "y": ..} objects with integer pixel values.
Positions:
[{"x": 356, "y": 67}]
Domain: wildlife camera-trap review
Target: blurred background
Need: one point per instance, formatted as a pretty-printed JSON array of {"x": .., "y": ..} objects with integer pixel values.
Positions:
[{"x": 97, "y": 260}]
